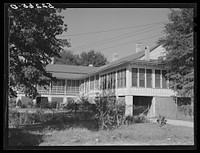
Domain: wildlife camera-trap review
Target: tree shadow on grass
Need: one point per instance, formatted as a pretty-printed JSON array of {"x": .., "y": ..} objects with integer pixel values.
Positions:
[
  {"x": 22, "y": 138},
  {"x": 62, "y": 125}
]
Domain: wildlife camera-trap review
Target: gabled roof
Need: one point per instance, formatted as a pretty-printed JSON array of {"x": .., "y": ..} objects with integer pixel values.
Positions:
[
  {"x": 126, "y": 59},
  {"x": 69, "y": 71},
  {"x": 77, "y": 72}
]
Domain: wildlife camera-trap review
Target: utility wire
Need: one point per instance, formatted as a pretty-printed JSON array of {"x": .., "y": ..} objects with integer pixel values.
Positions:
[
  {"x": 130, "y": 42},
  {"x": 106, "y": 40},
  {"x": 96, "y": 32},
  {"x": 112, "y": 40}
]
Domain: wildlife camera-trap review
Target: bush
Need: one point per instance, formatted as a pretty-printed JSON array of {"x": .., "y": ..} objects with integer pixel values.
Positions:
[
  {"x": 136, "y": 119},
  {"x": 53, "y": 104},
  {"x": 14, "y": 119},
  {"x": 70, "y": 104},
  {"x": 12, "y": 102},
  {"x": 185, "y": 112},
  {"x": 19, "y": 103},
  {"x": 161, "y": 120},
  {"x": 108, "y": 112}
]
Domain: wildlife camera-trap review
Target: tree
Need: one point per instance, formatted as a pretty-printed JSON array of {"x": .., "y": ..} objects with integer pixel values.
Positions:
[
  {"x": 178, "y": 43},
  {"x": 85, "y": 58},
  {"x": 92, "y": 57},
  {"x": 32, "y": 44},
  {"x": 68, "y": 58}
]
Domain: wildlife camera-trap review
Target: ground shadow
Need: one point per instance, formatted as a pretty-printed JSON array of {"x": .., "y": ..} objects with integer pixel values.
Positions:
[
  {"x": 22, "y": 138},
  {"x": 64, "y": 123}
]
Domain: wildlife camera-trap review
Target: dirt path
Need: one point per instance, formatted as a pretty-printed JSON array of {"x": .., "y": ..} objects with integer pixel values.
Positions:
[{"x": 177, "y": 122}]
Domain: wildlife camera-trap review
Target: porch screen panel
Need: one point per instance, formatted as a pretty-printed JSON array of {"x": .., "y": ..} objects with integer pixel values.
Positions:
[
  {"x": 141, "y": 77},
  {"x": 149, "y": 78},
  {"x": 92, "y": 83},
  {"x": 134, "y": 77},
  {"x": 105, "y": 81},
  {"x": 113, "y": 80},
  {"x": 77, "y": 86},
  {"x": 118, "y": 79},
  {"x": 157, "y": 78},
  {"x": 97, "y": 82},
  {"x": 73, "y": 86},
  {"x": 69, "y": 85},
  {"x": 101, "y": 82},
  {"x": 109, "y": 81},
  {"x": 164, "y": 79}
]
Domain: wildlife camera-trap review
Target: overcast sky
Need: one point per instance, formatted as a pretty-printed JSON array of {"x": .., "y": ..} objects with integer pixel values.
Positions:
[{"x": 133, "y": 24}]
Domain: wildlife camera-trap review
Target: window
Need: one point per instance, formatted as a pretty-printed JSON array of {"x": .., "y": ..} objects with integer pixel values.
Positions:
[
  {"x": 92, "y": 83},
  {"x": 134, "y": 77},
  {"x": 97, "y": 82},
  {"x": 157, "y": 78},
  {"x": 121, "y": 78},
  {"x": 149, "y": 78},
  {"x": 164, "y": 79},
  {"x": 141, "y": 77}
]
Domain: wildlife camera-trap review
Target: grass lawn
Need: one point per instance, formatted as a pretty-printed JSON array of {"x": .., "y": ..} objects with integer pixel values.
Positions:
[{"x": 60, "y": 134}]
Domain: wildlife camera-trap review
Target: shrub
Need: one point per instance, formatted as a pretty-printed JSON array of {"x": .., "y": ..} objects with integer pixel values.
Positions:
[
  {"x": 70, "y": 103},
  {"x": 12, "y": 102},
  {"x": 186, "y": 112},
  {"x": 108, "y": 112},
  {"x": 19, "y": 103},
  {"x": 14, "y": 119},
  {"x": 53, "y": 104},
  {"x": 136, "y": 119},
  {"x": 161, "y": 120}
]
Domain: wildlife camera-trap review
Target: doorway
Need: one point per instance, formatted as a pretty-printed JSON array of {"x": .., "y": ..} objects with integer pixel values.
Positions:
[{"x": 142, "y": 104}]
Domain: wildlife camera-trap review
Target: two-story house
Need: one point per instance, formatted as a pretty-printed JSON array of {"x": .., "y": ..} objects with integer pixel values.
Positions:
[{"x": 138, "y": 79}]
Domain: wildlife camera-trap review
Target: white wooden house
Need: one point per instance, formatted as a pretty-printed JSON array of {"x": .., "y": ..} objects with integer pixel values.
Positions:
[{"x": 138, "y": 79}]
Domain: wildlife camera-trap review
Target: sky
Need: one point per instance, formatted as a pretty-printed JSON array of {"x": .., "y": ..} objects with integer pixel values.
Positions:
[{"x": 113, "y": 30}]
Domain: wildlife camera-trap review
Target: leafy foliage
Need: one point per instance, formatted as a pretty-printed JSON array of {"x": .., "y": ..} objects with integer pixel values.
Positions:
[
  {"x": 161, "y": 120},
  {"x": 32, "y": 44},
  {"x": 85, "y": 58},
  {"x": 178, "y": 43},
  {"x": 109, "y": 113}
]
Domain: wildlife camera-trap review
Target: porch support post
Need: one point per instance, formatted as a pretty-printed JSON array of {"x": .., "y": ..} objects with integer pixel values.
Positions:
[
  {"x": 50, "y": 99},
  {"x": 154, "y": 107},
  {"x": 129, "y": 105},
  {"x": 65, "y": 99},
  {"x": 153, "y": 78}
]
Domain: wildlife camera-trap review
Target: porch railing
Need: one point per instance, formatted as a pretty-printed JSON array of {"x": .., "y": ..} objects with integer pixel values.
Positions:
[{"x": 57, "y": 91}]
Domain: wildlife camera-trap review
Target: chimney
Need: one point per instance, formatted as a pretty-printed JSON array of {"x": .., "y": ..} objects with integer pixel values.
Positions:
[
  {"x": 138, "y": 47},
  {"x": 52, "y": 60},
  {"x": 90, "y": 65},
  {"x": 115, "y": 56},
  {"x": 147, "y": 54}
]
